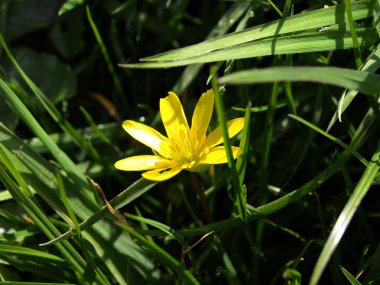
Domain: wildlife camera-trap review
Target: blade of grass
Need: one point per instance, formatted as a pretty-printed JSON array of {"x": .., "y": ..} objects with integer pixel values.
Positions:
[
  {"x": 314, "y": 19},
  {"x": 31, "y": 254},
  {"x": 356, "y": 47},
  {"x": 362, "y": 81},
  {"x": 290, "y": 44},
  {"x": 350, "y": 277},
  {"x": 220, "y": 110},
  {"x": 345, "y": 216}
]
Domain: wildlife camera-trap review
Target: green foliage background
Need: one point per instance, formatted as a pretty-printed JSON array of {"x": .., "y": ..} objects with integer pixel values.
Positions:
[{"x": 301, "y": 206}]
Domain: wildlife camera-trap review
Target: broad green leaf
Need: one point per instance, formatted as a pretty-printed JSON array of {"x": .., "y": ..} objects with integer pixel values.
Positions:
[{"x": 362, "y": 81}]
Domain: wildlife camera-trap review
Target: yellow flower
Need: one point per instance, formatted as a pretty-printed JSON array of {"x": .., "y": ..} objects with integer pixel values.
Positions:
[{"x": 184, "y": 147}]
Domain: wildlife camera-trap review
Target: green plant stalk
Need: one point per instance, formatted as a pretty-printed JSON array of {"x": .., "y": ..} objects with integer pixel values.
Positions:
[
  {"x": 238, "y": 189},
  {"x": 346, "y": 216},
  {"x": 356, "y": 47},
  {"x": 162, "y": 255}
]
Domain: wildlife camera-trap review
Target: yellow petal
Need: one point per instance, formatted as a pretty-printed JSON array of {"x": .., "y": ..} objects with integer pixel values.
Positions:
[
  {"x": 146, "y": 135},
  {"x": 234, "y": 127},
  {"x": 172, "y": 115},
  {"x": 202, "y": 114},
  {"x": 161, "y": 174},
  {"x": 218, "y": 155},
  {"x": 142, "y": 162}
]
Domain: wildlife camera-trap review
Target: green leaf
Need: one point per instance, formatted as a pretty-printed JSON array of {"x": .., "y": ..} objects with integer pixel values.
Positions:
[{"x": 362, "y": 81}]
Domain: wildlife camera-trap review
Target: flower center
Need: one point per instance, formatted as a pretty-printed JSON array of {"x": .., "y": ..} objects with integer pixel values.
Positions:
[{"x": 187, "y": 148}]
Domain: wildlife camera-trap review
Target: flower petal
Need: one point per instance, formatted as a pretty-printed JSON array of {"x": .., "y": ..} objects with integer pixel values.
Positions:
[
  {"x": 161, "y": 174},
  {"x": 146, "y": 135},
  {"x": 202, "y": 113},
  {"x": 142, "y": 162},
  {"x": 218, "y": 155},
  {"x": 172, "y": 114},
  {"x": 234, "y": 127}
]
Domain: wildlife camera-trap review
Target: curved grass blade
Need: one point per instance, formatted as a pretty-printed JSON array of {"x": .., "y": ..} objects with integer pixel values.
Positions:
[
  {"x": 362, "y": 81},
  {"x": 345, "y": 216}
]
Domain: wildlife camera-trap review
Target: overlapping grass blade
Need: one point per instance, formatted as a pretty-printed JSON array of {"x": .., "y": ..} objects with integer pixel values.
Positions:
[
  {"x": 362, "y": 81},
  {"x": 290, "y": 44},
  {"x": 346, "y": 215},
  {"x": 334, "y": 15}
]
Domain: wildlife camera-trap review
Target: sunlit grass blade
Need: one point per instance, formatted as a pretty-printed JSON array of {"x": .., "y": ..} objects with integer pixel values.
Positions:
[
  {"x": 162, "y": 255},
  {"x": 290, "y": 44},
  {"x": 362, "y": 81},
  {"x": 345, "y": 216},
  {"x": 314, "y": 19}
]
